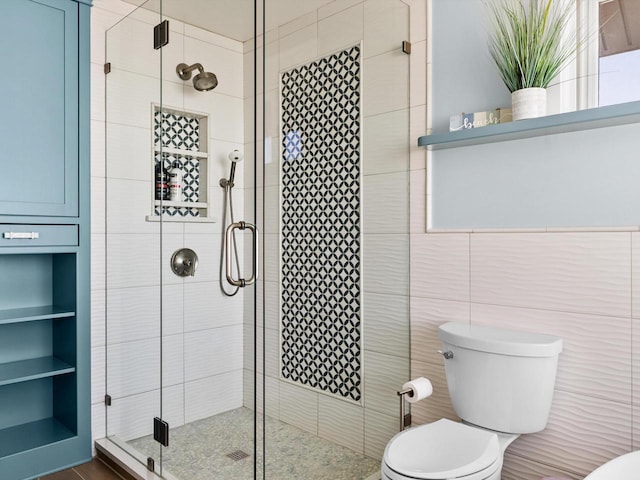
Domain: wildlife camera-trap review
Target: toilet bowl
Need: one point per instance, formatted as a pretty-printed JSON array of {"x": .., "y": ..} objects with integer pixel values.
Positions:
[
  {"x": 445, "y": 450},
  {"x": 490, "y": 375},
  {"x": 625, "y": 467}
]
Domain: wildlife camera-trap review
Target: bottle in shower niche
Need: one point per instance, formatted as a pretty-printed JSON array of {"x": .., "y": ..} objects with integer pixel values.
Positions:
[
  {"x": 162, "y": 182},
  {"x": 175, "y": 182}
]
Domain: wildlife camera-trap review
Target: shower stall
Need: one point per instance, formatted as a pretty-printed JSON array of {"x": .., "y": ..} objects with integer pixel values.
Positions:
[{"x": 256, "y": 229}]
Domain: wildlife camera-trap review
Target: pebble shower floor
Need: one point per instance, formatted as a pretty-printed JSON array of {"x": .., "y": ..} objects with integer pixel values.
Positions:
[{"x": 200, "y": 451}]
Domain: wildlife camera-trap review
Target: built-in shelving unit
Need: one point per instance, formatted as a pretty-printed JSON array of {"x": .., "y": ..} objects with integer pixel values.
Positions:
[
  {"x": 45, "y": 384},
  {"x": 608, "y": 116}
]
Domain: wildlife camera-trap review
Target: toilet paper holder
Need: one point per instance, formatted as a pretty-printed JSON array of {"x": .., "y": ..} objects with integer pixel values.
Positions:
[{"x": 405, "y": 418}]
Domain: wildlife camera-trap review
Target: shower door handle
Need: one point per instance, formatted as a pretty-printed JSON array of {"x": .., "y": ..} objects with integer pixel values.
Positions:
[{"x": 241, "y": 282}]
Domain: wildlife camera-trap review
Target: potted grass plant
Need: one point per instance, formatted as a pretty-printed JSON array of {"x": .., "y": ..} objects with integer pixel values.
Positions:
[{"x": 531, "y": 42}]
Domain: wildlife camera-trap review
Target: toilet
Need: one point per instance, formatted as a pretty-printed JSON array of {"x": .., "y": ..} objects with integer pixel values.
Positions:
[{"x": 501, "y": 386}]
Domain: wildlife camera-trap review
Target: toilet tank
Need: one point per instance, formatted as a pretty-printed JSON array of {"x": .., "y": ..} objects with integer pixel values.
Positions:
[{"x": 500, "y": 379}]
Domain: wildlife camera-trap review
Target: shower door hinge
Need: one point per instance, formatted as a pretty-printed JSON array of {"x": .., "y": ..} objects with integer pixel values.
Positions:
[
  {"x": 406, "y": 47},
  {"x": 151, "y": 464},
  {"x": 161, "y": 431},
  {"x": 107, "y": 68},
  {"x": 107, "y": 400},
  {"x": 161, "y": 34}
]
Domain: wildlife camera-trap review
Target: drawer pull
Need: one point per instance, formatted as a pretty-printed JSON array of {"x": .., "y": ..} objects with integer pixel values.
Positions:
[{"x": 21, "y": 235}]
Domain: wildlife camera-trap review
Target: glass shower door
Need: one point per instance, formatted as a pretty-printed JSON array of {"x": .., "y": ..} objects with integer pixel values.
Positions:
[
  {"x": 178, "y": 337},
  {"x": 134, "y": 333},
  {"x": 335, "y": 204}
]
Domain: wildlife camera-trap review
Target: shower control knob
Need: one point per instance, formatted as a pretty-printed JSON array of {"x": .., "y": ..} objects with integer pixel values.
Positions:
[
  {"x": 184, "y": 262},
  {"x": 448, "y": 355}
]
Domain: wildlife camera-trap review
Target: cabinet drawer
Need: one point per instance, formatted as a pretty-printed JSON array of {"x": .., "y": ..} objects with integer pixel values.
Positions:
[{"x": 12, "y": 235}]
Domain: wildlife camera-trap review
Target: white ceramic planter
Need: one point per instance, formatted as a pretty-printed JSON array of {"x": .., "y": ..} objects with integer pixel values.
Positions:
[{"x": 529, "y": 103}]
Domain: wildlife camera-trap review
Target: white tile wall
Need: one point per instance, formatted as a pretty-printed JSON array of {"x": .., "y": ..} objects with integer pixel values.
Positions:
[
  {"x": 384, "y": 142},
  {"x": 299, "y": 407},
  {"x": 384, "y": 93},
  {"x": 440, "y": 266},
  {"x": 385, "y": 328},
  {"x": 341, "y": 30},
  {"x": 582, "y": 433},
  {"x": 212, "y": 352},
  {"x": 386, "y": 25},
  {"x": 572, "y": 272},
  {"x": 378, "y": 430},
  {"x": 341, "y": 423},
  {"x": 384, "y": 375},
  {"x": 385, "y": 203},
  {"x": 212, "y": 395}
]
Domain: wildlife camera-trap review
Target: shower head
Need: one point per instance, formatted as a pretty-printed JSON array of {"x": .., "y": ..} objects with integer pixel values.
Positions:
[
  {"x": 203, "y": 81},
  {"x": 235, "y": 156}
]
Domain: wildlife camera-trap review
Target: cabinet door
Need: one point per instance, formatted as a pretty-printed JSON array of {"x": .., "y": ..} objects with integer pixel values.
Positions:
[{"x": 39, "y": 99}]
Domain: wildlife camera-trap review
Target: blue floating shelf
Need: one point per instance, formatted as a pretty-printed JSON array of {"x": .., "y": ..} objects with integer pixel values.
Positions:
[{"x": 609, "y": 116}]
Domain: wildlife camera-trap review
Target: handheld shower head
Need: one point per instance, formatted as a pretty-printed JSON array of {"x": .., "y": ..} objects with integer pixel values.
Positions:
[{"x": 235, "y": 156}]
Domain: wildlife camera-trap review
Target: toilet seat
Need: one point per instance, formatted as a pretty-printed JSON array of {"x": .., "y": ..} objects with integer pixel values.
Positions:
[{"x": 443, "y": 450}]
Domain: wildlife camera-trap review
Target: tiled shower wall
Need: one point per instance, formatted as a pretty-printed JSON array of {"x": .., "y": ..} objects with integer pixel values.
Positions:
[
  {"x": 580, "y": 286},
  {"x": 381, "y": 25},
  {"x": 202, "y": 335}
]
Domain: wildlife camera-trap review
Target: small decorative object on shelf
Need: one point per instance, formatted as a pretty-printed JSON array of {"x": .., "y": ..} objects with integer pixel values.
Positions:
[
  {"x": 463, "y": 121},
  {"x": 532, "y": 41}
]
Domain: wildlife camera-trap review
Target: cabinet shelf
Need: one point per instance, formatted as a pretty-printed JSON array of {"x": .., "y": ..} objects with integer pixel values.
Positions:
[
  {"x": 17, "y": 315},
  {"x": 28, "y": 436},
  {"x": 32, "y": 369},
  {"x": 609, "y": 116}
]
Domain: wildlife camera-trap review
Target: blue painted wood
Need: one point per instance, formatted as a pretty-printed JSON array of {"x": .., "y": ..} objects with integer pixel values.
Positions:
[
  {"x": 33, "y": 369},
  {"x": 592, "y": 118},
  {"x": 23, "y": 341},
  {"x": 24, "y": 402},
  {"x": 26, "y": 281},
  {"x": 45, "y": 423},
  {"x": 46, "y": 235},
  {"x": 32, "y": 435},
  {"x": 39, "y": 154},
  {"x": 30, "y": 314}
]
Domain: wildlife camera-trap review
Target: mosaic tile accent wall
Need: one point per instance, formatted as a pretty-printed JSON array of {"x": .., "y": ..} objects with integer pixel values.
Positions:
[
  {"x": 172, "y": 130},
  {"x": 321, "y": 341}
]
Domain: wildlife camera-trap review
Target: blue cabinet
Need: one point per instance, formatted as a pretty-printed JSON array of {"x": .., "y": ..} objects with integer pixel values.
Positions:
[
  {"x": 45, "y": 411},
  {"x": 39, "y": 98}
]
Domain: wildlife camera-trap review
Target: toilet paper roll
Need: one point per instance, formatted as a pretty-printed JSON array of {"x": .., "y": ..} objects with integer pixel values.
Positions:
[{"x": 420, "y": 388}]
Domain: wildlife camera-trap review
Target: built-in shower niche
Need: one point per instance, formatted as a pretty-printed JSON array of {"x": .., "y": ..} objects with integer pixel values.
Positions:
[{"x": 180, "y": 137}]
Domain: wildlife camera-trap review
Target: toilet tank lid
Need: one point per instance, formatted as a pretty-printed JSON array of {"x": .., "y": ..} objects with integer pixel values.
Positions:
[{"x": 499, "y": 340}]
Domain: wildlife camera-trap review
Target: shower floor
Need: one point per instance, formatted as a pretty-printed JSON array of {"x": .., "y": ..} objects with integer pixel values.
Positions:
[{"x": 198, "y": 451}]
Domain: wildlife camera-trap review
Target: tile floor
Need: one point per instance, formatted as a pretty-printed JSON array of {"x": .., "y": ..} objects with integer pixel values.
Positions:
[
  {"x": 94, "y": 470},
  {"x": 198, "y": 451}
]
